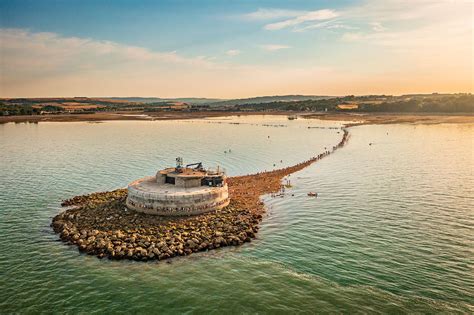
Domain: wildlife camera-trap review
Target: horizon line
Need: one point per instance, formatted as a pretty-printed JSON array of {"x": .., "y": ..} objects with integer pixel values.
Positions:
[{"x": 217, "y": 98}]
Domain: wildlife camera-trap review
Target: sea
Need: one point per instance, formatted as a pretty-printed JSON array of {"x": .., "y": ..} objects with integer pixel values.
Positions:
[{"x": 391, "y": 231}]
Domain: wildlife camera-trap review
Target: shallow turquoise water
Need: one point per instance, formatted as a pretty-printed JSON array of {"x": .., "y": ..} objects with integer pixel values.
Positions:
[{"x": 391, "y": 230}]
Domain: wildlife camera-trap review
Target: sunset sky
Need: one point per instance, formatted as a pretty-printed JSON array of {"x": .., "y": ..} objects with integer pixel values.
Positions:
[{"x": 234, "y": 49}]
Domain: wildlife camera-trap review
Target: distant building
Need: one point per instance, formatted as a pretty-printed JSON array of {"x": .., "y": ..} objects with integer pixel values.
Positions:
[{"x": 347, "y": 106}]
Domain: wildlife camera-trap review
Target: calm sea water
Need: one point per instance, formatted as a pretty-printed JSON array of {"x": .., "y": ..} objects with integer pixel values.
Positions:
[{"x": 391, "y": 231}]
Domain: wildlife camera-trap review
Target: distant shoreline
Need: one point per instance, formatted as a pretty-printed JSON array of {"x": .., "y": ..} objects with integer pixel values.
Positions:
[
  {"x": 353, "y": 119},
  {"x": 130, "y": 115},
  {"x": 357, "y": 118}
]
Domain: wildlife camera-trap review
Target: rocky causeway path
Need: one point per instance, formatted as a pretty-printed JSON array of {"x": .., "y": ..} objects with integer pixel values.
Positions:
[{"x": 100, "y": 224}]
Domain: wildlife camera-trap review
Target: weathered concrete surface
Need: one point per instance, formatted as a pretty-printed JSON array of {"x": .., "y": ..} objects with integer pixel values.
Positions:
[{"x": 147, "y": 196}]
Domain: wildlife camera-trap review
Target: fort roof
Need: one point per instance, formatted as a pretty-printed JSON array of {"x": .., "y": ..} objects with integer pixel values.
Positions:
[
  {"x": 179, "y": 191},
  {"x": 187, "y": 172}
]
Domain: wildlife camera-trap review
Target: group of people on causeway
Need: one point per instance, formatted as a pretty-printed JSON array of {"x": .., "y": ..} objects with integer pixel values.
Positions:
[{"x": 269, "y": 176}]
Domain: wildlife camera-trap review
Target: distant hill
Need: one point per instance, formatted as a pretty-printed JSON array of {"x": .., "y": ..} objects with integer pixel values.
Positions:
[
  {"x": 189, "y": 100},
  {"x": 219, "y": 102},
  {"x": 268, "y": 99},
  {"x": 410, "y": 103}
]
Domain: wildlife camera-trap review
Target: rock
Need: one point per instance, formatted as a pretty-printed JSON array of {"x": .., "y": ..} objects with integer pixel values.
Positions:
[
  {"x": 191, "y": 244},
  {"x": 119, "y": 234}
]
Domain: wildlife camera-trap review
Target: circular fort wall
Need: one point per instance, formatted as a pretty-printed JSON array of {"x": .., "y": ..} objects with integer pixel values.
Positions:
[{"x": 144, "y": 195}]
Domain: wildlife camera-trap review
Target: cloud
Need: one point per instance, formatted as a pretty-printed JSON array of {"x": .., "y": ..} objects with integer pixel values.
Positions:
[
  {"x": 441, "y": 37},
  {"x": 309, "y": 16},
  {"x": 373, "y": 13},
  {"x": 273, "y": 47},
  {"x": 406, "y": 10},
  {"x": 377, "y": 27},
  {"x": 232, "y": 52},
  {"x": 271, "y": 14},
  {"x": 56, "y": 51},
  {"x": 32, "y": 62},
  {"x": 331, "y": 24},
  {"x": 425, "y": 24},
  {"x": 47, "y": 64},
  {"x": 341, "y": 26}
]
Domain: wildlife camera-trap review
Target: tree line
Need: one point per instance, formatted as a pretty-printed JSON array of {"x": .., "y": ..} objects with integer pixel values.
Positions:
[{"x": 454, "y": 103}]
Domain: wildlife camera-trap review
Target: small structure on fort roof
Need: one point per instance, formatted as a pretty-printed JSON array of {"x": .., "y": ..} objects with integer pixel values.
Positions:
[{"x": 179, "y": 191}]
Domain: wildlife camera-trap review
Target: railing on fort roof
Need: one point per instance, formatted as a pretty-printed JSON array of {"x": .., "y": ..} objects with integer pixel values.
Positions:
[{"x": 216, "y": 171}]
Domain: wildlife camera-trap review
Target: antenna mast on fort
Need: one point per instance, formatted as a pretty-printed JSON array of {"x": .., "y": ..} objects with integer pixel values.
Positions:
[{"x": 179, "y": 162}]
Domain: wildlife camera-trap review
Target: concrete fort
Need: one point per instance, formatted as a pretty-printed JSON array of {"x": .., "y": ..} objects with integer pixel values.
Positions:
[{"x": 179, "y": 191}]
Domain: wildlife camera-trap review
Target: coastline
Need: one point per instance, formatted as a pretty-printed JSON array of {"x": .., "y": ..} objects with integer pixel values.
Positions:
[
  {"x": 355, "y": 118},
  {"x": 131, "y": 115},
  {"x": 99, "y": 224}
]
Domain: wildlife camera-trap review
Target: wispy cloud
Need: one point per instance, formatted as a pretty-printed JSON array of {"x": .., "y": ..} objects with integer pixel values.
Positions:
[
  {"x": 341, "y": 26},
  {"x": 422, "y": 39},
  {"x": 271, "y": 14},
  {"x": 424, "y": 24},
  {"x": 406, "y": 10},
  {"x": 274, "y": 47},
  {"x": 22, "y": 45},
  {"x": 375, "y": 14},
  {"x": 31, "y": 61},
  {"x": 298, "y": 20},
  {"x": 309, "y": 16},
  {"x": 378, "y": 27},
  {"x": 48, "y": 64},
  {"x": 232, "y": 52},
  {"x": 325, "y": 24}
]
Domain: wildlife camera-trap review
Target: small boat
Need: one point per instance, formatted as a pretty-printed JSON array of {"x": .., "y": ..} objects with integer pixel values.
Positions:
[
  {"x": 312, "y": 194},
  {"x": 292, "y": 117}
]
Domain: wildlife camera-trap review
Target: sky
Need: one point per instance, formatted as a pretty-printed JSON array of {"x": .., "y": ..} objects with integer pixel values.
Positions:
[{"x": 234, "y": 49}]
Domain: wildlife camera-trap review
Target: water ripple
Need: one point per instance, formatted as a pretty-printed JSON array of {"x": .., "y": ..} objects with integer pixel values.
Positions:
[{"x": 391, "y": 230}]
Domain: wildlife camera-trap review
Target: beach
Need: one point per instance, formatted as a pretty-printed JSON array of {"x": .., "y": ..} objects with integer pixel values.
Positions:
[
  {"x": 355, "y": 118},
  {"x": 395, "y": 118}
]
